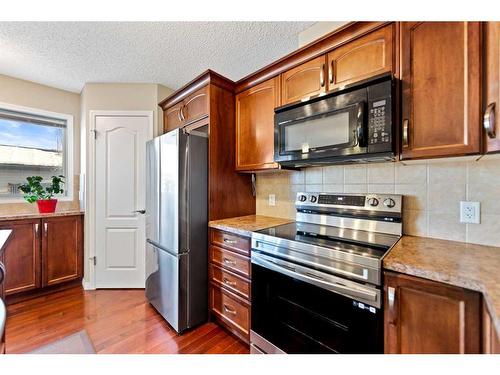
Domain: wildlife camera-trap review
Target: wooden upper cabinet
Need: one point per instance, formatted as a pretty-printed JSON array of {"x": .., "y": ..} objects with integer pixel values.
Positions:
[
  {"x": 491, "y": 103},
  {"x": 189, "y": 110},
  {"x": 22, "y": 256},
  {"x": 255, "y": 126},
  {"x": 308, "y": 79},
  {"x": 61, "y": 249},
  {"x": 362, "y": 58},
  {"x": 172, "y": 117},
  {"x": 427, "y": 317},
  {"x": 440, "y": 71},
  {"x": 195, "y": 106}
]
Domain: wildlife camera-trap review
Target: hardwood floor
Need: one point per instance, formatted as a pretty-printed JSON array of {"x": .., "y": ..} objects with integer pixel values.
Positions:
[{"x": 117, "y": 321}]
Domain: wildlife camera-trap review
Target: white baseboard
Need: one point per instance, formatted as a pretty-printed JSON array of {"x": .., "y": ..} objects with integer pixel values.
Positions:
[{"x": 87, "y": 286}]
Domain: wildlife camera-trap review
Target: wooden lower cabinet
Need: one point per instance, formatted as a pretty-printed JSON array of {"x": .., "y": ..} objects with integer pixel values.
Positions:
[
  {"x": 491, "y": 337},
  {"x": 22, "y": 256},
  {"x": 230, "y": 282},
  {"x": 42, "y": 253},
  {"x": 62, "y": 250},
  {"x": 423, "y": 316}
]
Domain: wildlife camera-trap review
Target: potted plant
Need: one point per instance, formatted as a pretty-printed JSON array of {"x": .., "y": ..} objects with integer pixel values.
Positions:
[{"x": 35, "y": 192}]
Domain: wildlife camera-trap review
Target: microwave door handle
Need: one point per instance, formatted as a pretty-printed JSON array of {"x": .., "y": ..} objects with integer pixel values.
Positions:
[{"x": 360, "y": 134}]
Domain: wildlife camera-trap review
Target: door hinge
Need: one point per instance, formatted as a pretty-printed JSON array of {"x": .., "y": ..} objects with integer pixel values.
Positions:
[
  {"x": 94, "y": 132},
  {"x": 94, "y": 260}
]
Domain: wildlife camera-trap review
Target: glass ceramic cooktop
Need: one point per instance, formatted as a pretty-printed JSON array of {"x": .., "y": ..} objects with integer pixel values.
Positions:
[{"x": 368, "y": 244}]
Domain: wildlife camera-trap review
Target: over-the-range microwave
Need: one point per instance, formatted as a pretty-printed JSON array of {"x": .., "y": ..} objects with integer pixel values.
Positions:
[{"x": 353, "y": 124}]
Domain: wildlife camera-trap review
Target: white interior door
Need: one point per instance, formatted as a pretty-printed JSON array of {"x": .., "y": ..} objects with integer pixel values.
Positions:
[{"x": 120, "y": 191}]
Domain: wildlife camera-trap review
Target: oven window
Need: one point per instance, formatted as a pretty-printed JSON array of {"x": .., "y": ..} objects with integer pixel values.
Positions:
[{"x": 322, "y": 131}]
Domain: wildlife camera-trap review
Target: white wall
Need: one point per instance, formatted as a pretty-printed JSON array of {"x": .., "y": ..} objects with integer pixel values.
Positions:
[{"x": 318, "y": 30}]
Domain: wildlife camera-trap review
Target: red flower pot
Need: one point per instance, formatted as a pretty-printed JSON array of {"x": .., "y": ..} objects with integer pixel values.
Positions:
[{"x": 46, "y": 206}]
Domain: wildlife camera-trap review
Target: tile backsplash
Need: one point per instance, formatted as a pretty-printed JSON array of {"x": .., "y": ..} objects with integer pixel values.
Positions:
[{"x": 432, "y": 190}]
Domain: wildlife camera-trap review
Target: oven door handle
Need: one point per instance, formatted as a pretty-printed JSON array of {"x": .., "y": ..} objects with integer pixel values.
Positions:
[{"x": 313, "y": 277}]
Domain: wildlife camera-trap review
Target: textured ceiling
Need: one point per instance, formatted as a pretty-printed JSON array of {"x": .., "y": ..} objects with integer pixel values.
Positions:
[{"x": 69, "y": 54}]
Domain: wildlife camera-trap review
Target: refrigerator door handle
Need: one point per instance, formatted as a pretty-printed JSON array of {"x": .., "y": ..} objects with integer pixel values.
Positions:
[{"x": 157, "y": 246}]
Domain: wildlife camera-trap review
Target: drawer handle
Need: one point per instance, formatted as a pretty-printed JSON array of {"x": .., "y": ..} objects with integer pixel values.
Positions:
[
  {"x": 229, "y": 261},
  {"x": 230, "y": 242},
  {"x": 229, "y": 310},
  {"x": 228, "y": 282}
]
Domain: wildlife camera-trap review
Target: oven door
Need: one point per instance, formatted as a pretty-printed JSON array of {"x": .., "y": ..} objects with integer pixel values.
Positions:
[
  {"x": 295, "y": 316},
  {"x": 331, "y": 127}
]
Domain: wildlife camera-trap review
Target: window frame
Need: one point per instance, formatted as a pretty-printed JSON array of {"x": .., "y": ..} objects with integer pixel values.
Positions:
[{"x": 68, "y": 186}]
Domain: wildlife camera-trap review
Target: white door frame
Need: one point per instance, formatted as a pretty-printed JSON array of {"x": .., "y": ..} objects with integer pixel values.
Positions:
[{"x": 90, "y": 212}]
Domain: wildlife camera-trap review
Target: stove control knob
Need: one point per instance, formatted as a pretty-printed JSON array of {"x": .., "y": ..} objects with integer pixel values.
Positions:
[
  {"x": 373, "y": 202},
  {"x": 313, "y": 199},
  {"x": 302, "y": 198},
  {"x": 389, "y": 203}
]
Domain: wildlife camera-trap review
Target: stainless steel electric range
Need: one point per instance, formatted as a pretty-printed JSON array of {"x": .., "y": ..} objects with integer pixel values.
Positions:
[{"x": 317, "y": 283}]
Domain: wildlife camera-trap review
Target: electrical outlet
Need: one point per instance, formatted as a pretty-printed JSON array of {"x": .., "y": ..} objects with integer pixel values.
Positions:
[
  {"x": 272, "y": 199},
  {"x": 470, "y": 212}
]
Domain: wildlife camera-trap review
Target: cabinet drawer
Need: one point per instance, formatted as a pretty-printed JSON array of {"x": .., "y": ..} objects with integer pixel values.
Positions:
[
  {"x": 231, "y": 241},
  {"x": 230, "y": 281},
  {"x": 232, "y": 311},
  {"x": 229, "y": 260}
]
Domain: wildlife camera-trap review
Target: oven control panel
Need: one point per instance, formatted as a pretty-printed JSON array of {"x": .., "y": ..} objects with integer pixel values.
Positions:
[{"x": 367, "y": 202}]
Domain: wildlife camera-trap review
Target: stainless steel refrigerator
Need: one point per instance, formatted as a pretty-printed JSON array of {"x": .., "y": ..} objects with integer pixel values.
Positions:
[{"x": 176, "y": 227}]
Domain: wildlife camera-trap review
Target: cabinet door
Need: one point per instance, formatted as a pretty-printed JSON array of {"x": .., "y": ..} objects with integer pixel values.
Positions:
[
  {"x": 305, "y": 80},
  {"x": 61, "y": 249},
  {"x": 491, "y": 103},
  {"x": 195, "y": 106},
  {"x": 423, "y": 316},
  {"x": 172, "y": 117},
  {"x": 362, "y": 58},
  {"x": 441, "y": 106},
  {"x": 255, "y": 126},
  {"x": 22, "y": 256}
]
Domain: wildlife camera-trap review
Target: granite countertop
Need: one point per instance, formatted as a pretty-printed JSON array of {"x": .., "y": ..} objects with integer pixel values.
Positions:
[
  {"x": 460, "y": 264},
  {"x": 4, "y": 236},
  {"x": 245, "y": 225},
  {"x": 38, "y": 215}
]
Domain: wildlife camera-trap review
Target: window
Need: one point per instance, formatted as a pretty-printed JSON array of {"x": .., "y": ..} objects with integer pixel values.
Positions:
[{"x": 33, "y": 142}]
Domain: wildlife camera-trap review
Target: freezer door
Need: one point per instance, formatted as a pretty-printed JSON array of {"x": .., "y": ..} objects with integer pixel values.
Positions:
[
  {"x": 165, "y": 287},
  {"x": 196, "y": 225},
  {"x": 153, "y": 190},
  {"x": 169, "y": 192}
]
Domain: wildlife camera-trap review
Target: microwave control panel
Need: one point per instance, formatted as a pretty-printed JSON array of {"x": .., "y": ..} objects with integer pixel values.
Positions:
[{"x": 380, "y": 118}]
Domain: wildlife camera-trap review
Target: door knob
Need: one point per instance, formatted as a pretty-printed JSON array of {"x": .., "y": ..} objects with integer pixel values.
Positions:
[{"x": 140, "y": 211}]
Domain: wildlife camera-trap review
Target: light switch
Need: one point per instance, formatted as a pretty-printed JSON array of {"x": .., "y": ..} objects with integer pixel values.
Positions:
[{"x": 272, "y": 199}]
